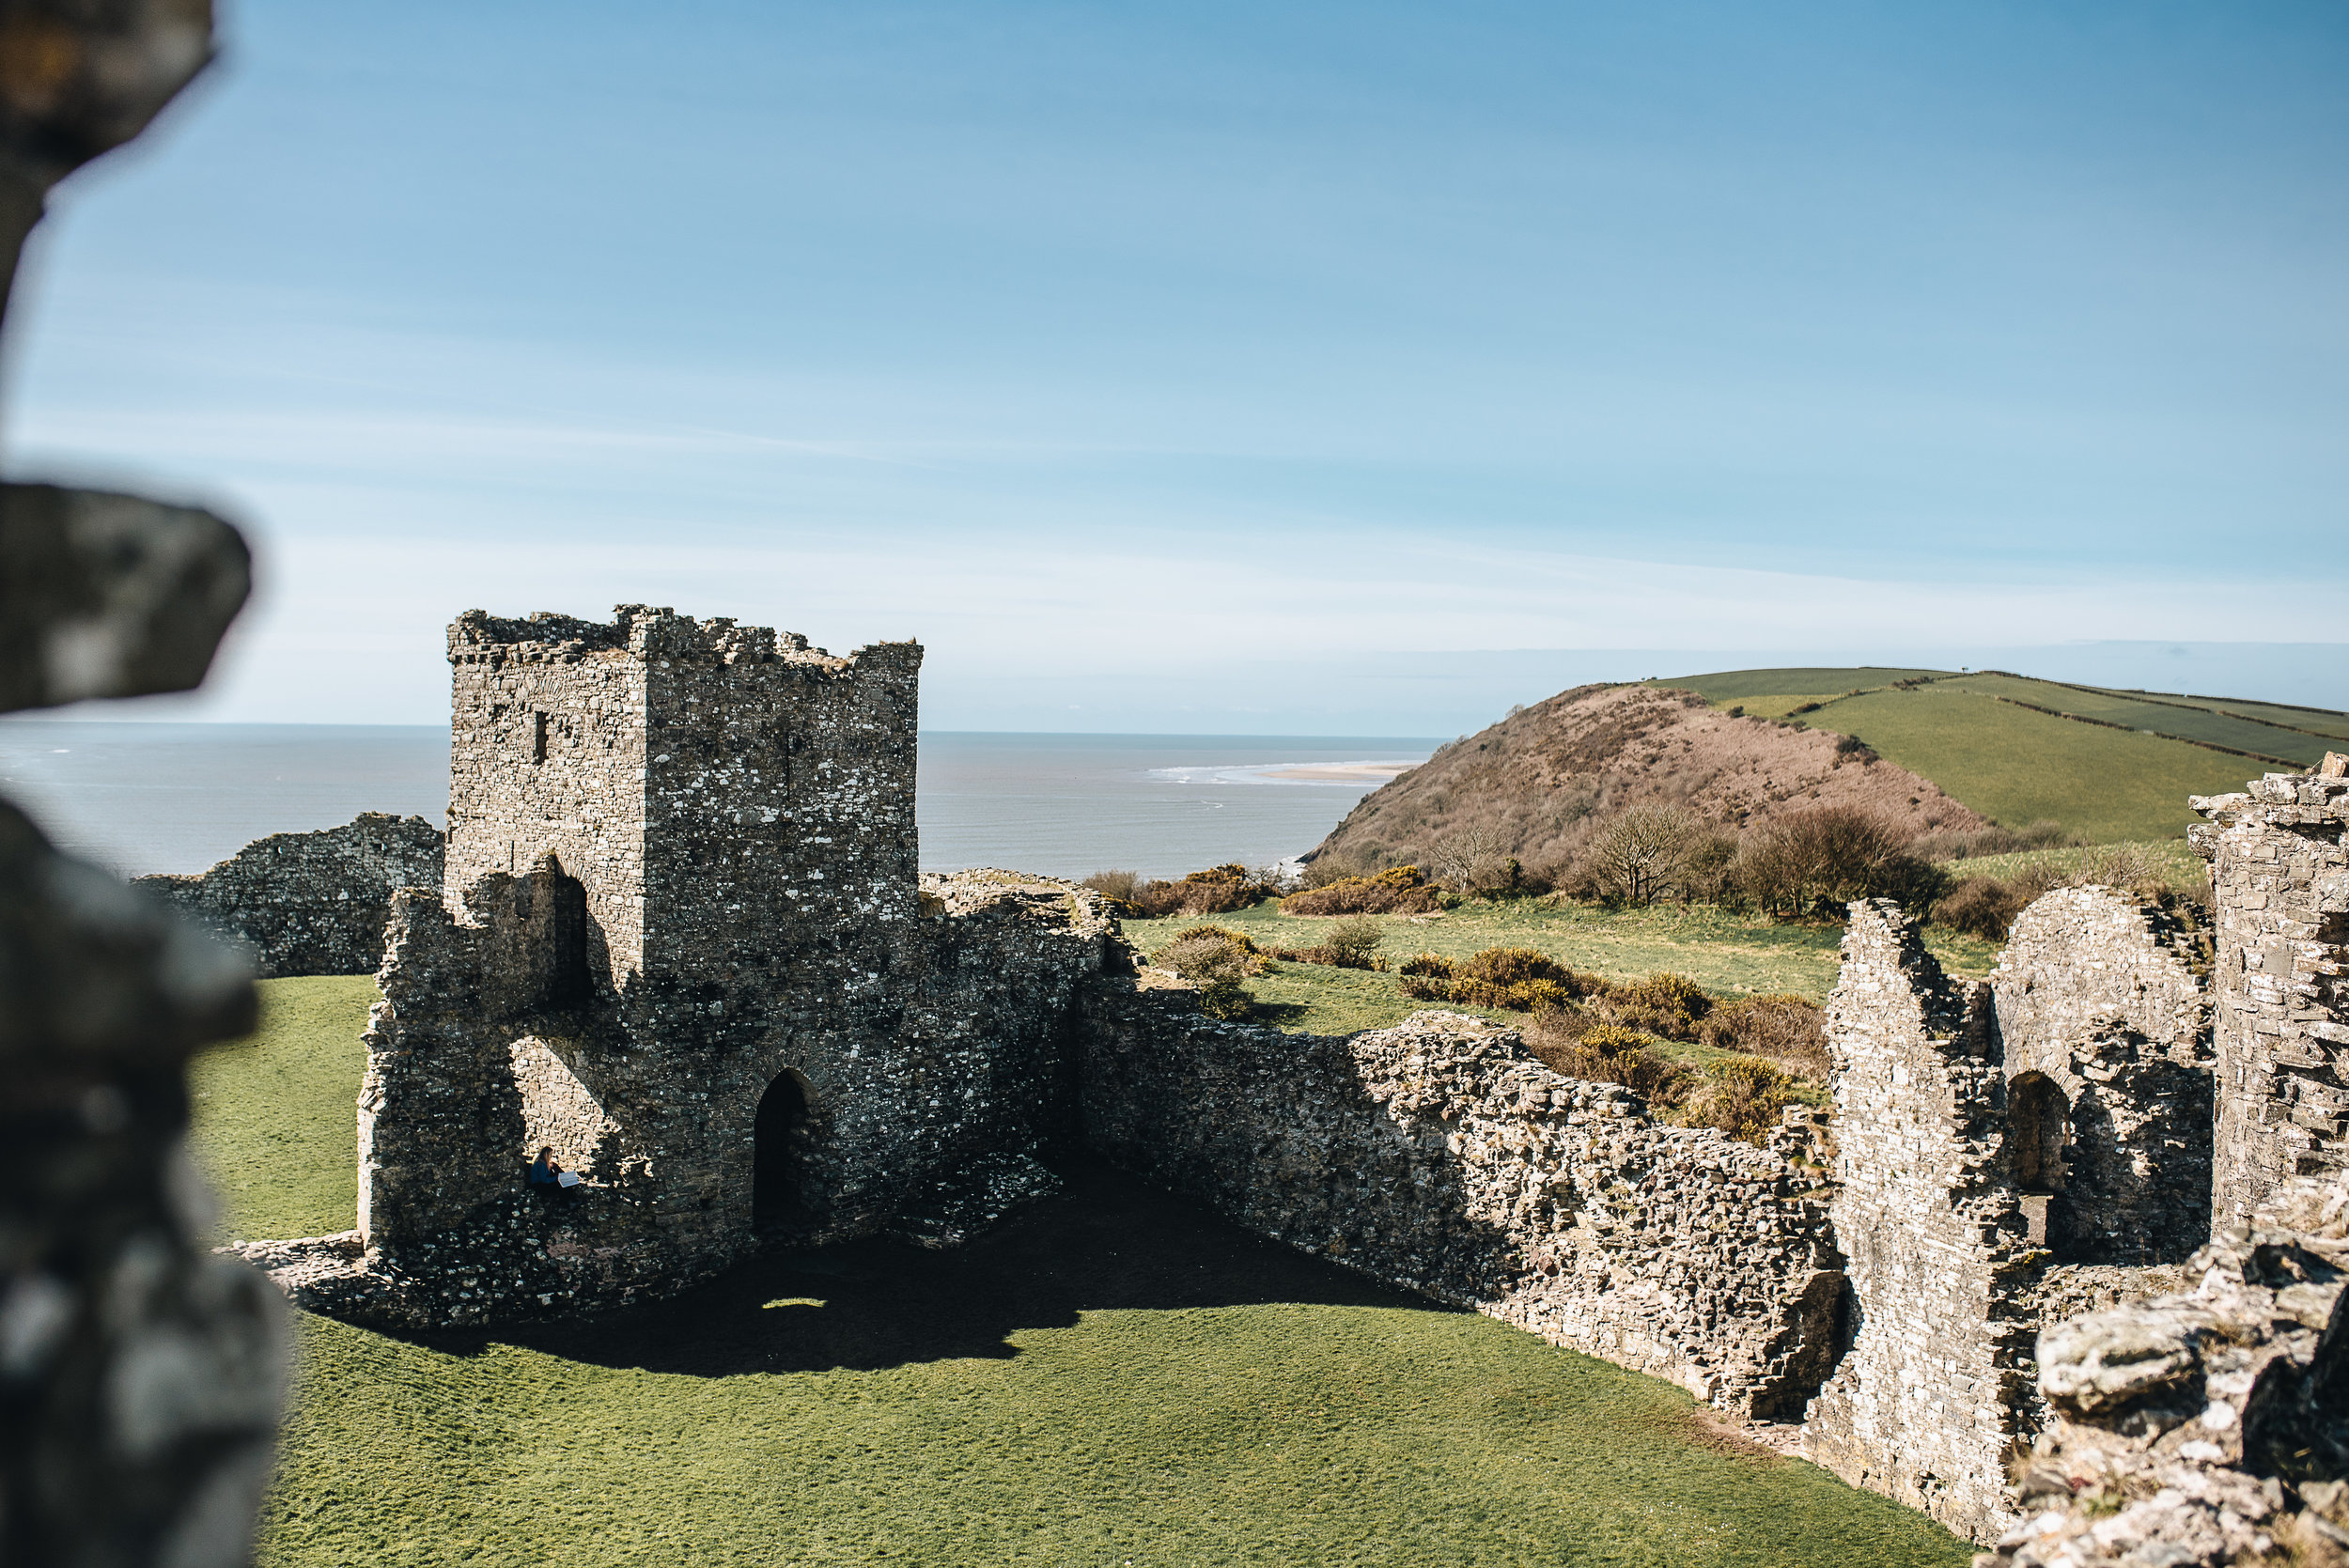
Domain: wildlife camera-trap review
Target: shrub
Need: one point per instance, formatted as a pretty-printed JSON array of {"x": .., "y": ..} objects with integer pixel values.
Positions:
[
  {"x": 1745, "y": 1098},
  {"x": 1217, "y": 965},
  {"x": 1606, "y": 1054},
  {"x": 1820, "y": 860},
  {"x": 1517, "y": 979},
  {"x": 1787, "y": 1029},
  {"x": 1354, "y": 941},
  {"x": 1983, "y": 907},
  {"x": 1118, "y": 887},
  {"x": 1352, "y": 944},
  {"x": 1426, "y": 977},
  {"x": 1507, "y": 965},
  {"x": 1240, "y": 940},
  {"x": 1219, "y": 890},
  {"x": 1666, "y": 1004},
  {"x": 1519, "y": 996},
  {"x": 1476, "y": 860},
  {"x": 1399, "y": 890},
  {"x": 2127, "y": 867},
  {"x": 1644, "y": 852}
]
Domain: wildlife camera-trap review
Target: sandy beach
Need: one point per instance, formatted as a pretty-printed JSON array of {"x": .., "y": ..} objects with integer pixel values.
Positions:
[{"x": 1341, "y": 773}]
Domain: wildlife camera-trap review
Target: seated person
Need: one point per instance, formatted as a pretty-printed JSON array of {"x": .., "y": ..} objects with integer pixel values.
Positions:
[{"x": 545, "y": 1172}]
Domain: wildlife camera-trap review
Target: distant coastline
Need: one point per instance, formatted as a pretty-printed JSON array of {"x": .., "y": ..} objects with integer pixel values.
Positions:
[{"x": 156, "y": 796}]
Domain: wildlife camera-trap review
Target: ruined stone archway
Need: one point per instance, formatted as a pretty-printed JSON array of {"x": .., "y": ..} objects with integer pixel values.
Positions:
[
  {"x": 779, "y": 1148},
  {"x": 2039, "y": 1126},
  {"x": 2038, "y": 1133}
]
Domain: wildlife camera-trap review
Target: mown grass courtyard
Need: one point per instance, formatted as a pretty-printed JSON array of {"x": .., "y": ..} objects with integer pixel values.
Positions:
[{"x": 1113, "y": 1377}]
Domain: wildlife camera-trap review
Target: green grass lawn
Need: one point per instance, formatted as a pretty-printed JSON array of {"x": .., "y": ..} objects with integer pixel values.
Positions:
[
  {"x": 1113, "y": 1377},
  {"x": 2017, "y": 765}
]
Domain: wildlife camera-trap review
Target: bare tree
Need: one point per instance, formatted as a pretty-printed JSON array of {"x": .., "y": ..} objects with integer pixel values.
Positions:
[
  {"x": 1642, "y": 853},
  {"x": 1471, "y": 859}
]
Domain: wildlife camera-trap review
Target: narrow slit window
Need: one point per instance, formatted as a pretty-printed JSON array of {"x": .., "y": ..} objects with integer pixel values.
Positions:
[{"x": 537, "y": 738}]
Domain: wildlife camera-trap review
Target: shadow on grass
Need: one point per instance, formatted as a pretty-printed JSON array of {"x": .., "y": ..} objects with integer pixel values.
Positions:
[
  {"x": 1106, "y": 1242},
  {"x": 1278, "y": 1014}
]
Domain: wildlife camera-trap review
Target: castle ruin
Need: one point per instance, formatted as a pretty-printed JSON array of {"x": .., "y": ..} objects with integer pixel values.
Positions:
[{"x": 682, "y": 939}]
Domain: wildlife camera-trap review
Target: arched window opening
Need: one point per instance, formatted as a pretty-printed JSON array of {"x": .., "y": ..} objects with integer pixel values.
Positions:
[
  {"x": 778, "y": 1152},
  {"x": 2039, "y": 1124},
  {"x": 2039, "y": 1129}
]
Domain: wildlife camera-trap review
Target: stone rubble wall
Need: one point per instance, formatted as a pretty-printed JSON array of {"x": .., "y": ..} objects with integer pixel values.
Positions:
[
  {"x": 1930, "y": 1399},
  {"x": 2207, "y": 1426},
  {"x": 309, "y": 903},
  {"x": 2280, "y": 876},
  {"x": 1437, "y": 1155},
  {"x": 2096, "y": 992}
]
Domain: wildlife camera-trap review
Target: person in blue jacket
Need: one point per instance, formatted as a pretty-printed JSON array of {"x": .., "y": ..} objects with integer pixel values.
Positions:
[{"x": 546, "y": 1176}]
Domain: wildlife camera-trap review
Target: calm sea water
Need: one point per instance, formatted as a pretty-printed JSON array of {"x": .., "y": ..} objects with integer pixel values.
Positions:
[{"x": 145, "y": 798}]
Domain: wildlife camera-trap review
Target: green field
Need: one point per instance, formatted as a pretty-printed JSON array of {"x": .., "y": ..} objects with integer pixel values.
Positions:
[
  {"x": 2173, "y": 862},
  {"x": 1110, "y": 1378},
  {"x": 1727, "y": 954},
  {"x": 1982, "y": 738}
]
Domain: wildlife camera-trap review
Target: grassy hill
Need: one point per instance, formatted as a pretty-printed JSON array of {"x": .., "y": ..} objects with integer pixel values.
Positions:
[
  {"x": 2109, "y": 765},
  {"x": 1112, "y": 1378},
  {"x": 1538, "y": 782}
]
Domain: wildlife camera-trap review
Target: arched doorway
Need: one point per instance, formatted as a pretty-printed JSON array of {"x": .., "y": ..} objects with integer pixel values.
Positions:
[
  {"x": 2039, "y": 1129},
  {"x": 778, "y": 1153}
]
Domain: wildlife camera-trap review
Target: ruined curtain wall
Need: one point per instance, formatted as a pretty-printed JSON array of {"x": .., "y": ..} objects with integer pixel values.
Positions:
[
  {"x": 2097, "y": 993},
  {"x": 2279, "y": 875},
  {"x": 1926, "y": 1405},
  {"x": 925, "y": 1122},
  {"x": 440, "y": 1112},
  {"x": 310, "y": 902},
  {"x": 1436, "y": 1156}
]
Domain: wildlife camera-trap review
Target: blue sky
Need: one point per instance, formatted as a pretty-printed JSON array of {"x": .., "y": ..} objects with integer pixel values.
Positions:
[{"x": 1225, "y": 368}]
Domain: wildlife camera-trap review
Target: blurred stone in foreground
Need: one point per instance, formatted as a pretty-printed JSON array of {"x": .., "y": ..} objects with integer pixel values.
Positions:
[{"x": 140, "y": 1377}]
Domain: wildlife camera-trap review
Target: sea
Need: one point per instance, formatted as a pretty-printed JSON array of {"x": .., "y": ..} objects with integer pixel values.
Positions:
[{"x": 141, "y": 798}]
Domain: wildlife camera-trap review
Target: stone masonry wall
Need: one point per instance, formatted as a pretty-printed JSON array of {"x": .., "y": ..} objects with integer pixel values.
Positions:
[
  {"x": 737, "y": 806},
  {"x": 310, "y": 902},
  {"x": 2280, "y": 876},
  {"x": 1928, "y": 1403},
  {"x": 1440, "y": 1156},
  {"x": 547, "y": 757},
  {"x": 488, "y": 1043},
  {"x": 2096, "y": 994},
  {"x": 2209, "y": 1425}
]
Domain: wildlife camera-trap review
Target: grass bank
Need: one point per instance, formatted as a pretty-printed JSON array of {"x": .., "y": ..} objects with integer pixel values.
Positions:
[
  {"x": 1727, "y": 954},
  {"x": 1113, "y": 1377},
  {"x": 2109, "y": 765},
  {"x": 2172, "y": 860}
]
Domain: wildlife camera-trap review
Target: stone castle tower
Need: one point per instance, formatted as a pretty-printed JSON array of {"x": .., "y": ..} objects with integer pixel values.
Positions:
[
  {"x": 683, "y": 944},
  {"x": 737, "y": 807}
]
